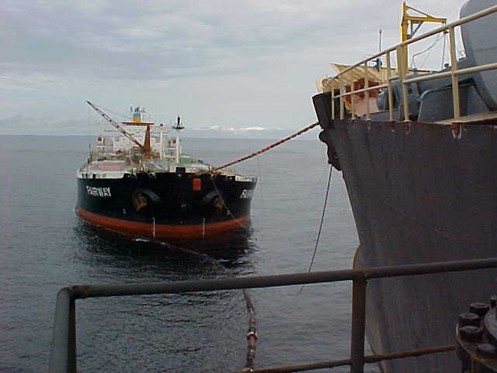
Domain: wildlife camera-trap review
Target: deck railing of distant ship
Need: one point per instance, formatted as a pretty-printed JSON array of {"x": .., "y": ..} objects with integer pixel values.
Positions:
[
  {"x": 63, "y": 349},
  {"x": 402, "y": 73}
]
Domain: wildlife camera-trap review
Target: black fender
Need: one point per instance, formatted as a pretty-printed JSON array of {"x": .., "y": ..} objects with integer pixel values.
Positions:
[
  {"x": 212, "y": 204},
  {"x": 146, "y": 202}
]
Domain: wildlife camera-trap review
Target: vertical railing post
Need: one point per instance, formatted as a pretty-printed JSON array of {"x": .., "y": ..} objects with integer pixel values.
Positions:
[
  {"x": 63, "y": 354},
  {"x": 351, "y": 96},
  {"x": 455, "y": 79},
  {"x": 401, "y": 66},
  {"x": 332, "y": 102},
  {"x": 358, "y": 324},
  {"x": 72, "y": 361},
  {"x": 366, "y": 86},
  {"x": 390, "y": 92}
]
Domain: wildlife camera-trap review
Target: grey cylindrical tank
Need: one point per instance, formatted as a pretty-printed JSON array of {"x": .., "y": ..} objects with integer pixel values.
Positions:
[{"x": 480, "y": 44}]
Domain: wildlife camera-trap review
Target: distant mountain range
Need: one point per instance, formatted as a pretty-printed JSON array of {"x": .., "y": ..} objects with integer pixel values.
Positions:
[{"x": 24, "y": 125}]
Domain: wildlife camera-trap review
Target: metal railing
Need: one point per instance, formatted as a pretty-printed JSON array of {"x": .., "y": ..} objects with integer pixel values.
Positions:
[
  {"x": 402, "y": 72},
  {"x": 63, "y": 349}
]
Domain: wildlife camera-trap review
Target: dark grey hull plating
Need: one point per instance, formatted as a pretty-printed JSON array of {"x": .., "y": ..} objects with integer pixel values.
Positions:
[
  {"x": 422, "y": 182},
  {"x": 420, "y": 193}
]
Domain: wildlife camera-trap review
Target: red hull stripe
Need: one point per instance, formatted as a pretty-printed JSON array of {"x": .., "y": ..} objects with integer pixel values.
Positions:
[{"x": 163, "y": 231}]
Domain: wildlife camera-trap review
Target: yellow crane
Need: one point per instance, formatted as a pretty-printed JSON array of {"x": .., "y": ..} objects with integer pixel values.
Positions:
[{"x": 415, "y": 22}]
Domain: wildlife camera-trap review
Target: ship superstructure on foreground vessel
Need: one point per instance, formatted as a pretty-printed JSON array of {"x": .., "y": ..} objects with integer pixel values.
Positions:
[
  {"x": 139, "y": 182},
  {"x": 418, "y": 152}
]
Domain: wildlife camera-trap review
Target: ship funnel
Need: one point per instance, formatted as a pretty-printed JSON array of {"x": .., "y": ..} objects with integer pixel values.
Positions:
[{"x": 178, "y": 126}]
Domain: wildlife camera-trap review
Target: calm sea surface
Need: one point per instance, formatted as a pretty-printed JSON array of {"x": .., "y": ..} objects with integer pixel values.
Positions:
[{"x": 44, "y": 247}]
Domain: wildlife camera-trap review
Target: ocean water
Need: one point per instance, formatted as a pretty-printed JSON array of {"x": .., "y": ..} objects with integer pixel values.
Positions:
[{"x": 45, "y": 247}]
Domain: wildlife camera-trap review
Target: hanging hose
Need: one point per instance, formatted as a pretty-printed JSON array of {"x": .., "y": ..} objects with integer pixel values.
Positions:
[
  {"x": 273, "y": 145},
  {"x": 252, "y": 330},
  {"x": 251, "y": 334}
]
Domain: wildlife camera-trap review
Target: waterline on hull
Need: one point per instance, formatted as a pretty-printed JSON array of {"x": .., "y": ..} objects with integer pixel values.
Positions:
[{"x": 164, "y": 231}]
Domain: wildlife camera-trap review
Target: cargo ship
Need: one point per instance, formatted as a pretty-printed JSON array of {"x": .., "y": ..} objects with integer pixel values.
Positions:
[
  {"x": 418, "y": 154},
  {"x": 137, "y": 181}
]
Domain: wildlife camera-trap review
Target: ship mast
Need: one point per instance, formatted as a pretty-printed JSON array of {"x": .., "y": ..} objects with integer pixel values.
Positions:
[
  {"x": 145, "y": 147},
  {"x": 178, "y": 127},
  {"x": 415, "y": 21}
]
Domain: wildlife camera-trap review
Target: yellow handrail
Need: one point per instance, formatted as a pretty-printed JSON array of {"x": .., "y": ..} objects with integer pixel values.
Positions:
[{"x": 402, "y": 70}]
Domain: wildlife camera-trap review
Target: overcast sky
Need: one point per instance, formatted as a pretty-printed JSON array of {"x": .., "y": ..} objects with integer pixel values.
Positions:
[{"x": 217, "y": 63}]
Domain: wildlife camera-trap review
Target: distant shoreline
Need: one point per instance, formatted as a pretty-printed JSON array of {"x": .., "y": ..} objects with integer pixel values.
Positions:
[{"x": 272, "y": 135}]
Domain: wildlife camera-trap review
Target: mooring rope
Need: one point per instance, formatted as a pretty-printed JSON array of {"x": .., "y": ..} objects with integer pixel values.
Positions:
[
  {"x": 320, "y": 225},
  {"x": 252, "y": 330},
  {"x": 225, "y": 205},
  {"x": 263, "y": 150}
]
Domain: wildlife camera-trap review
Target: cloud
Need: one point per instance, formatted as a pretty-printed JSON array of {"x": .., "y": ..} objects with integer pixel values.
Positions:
[
  {"x": 215, "y": 61},
  {"x": 165, "y": 39}
]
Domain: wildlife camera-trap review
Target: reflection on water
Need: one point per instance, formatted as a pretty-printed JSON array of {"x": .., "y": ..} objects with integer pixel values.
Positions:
[
  {"x": 227, "y": 254},
  {"x": 168, "y": 332}
]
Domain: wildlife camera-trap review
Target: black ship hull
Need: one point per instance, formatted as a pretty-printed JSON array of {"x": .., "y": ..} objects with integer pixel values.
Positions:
[
  {"x": 420, "y": 193},
  {"x": 167, "y": 205}
]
